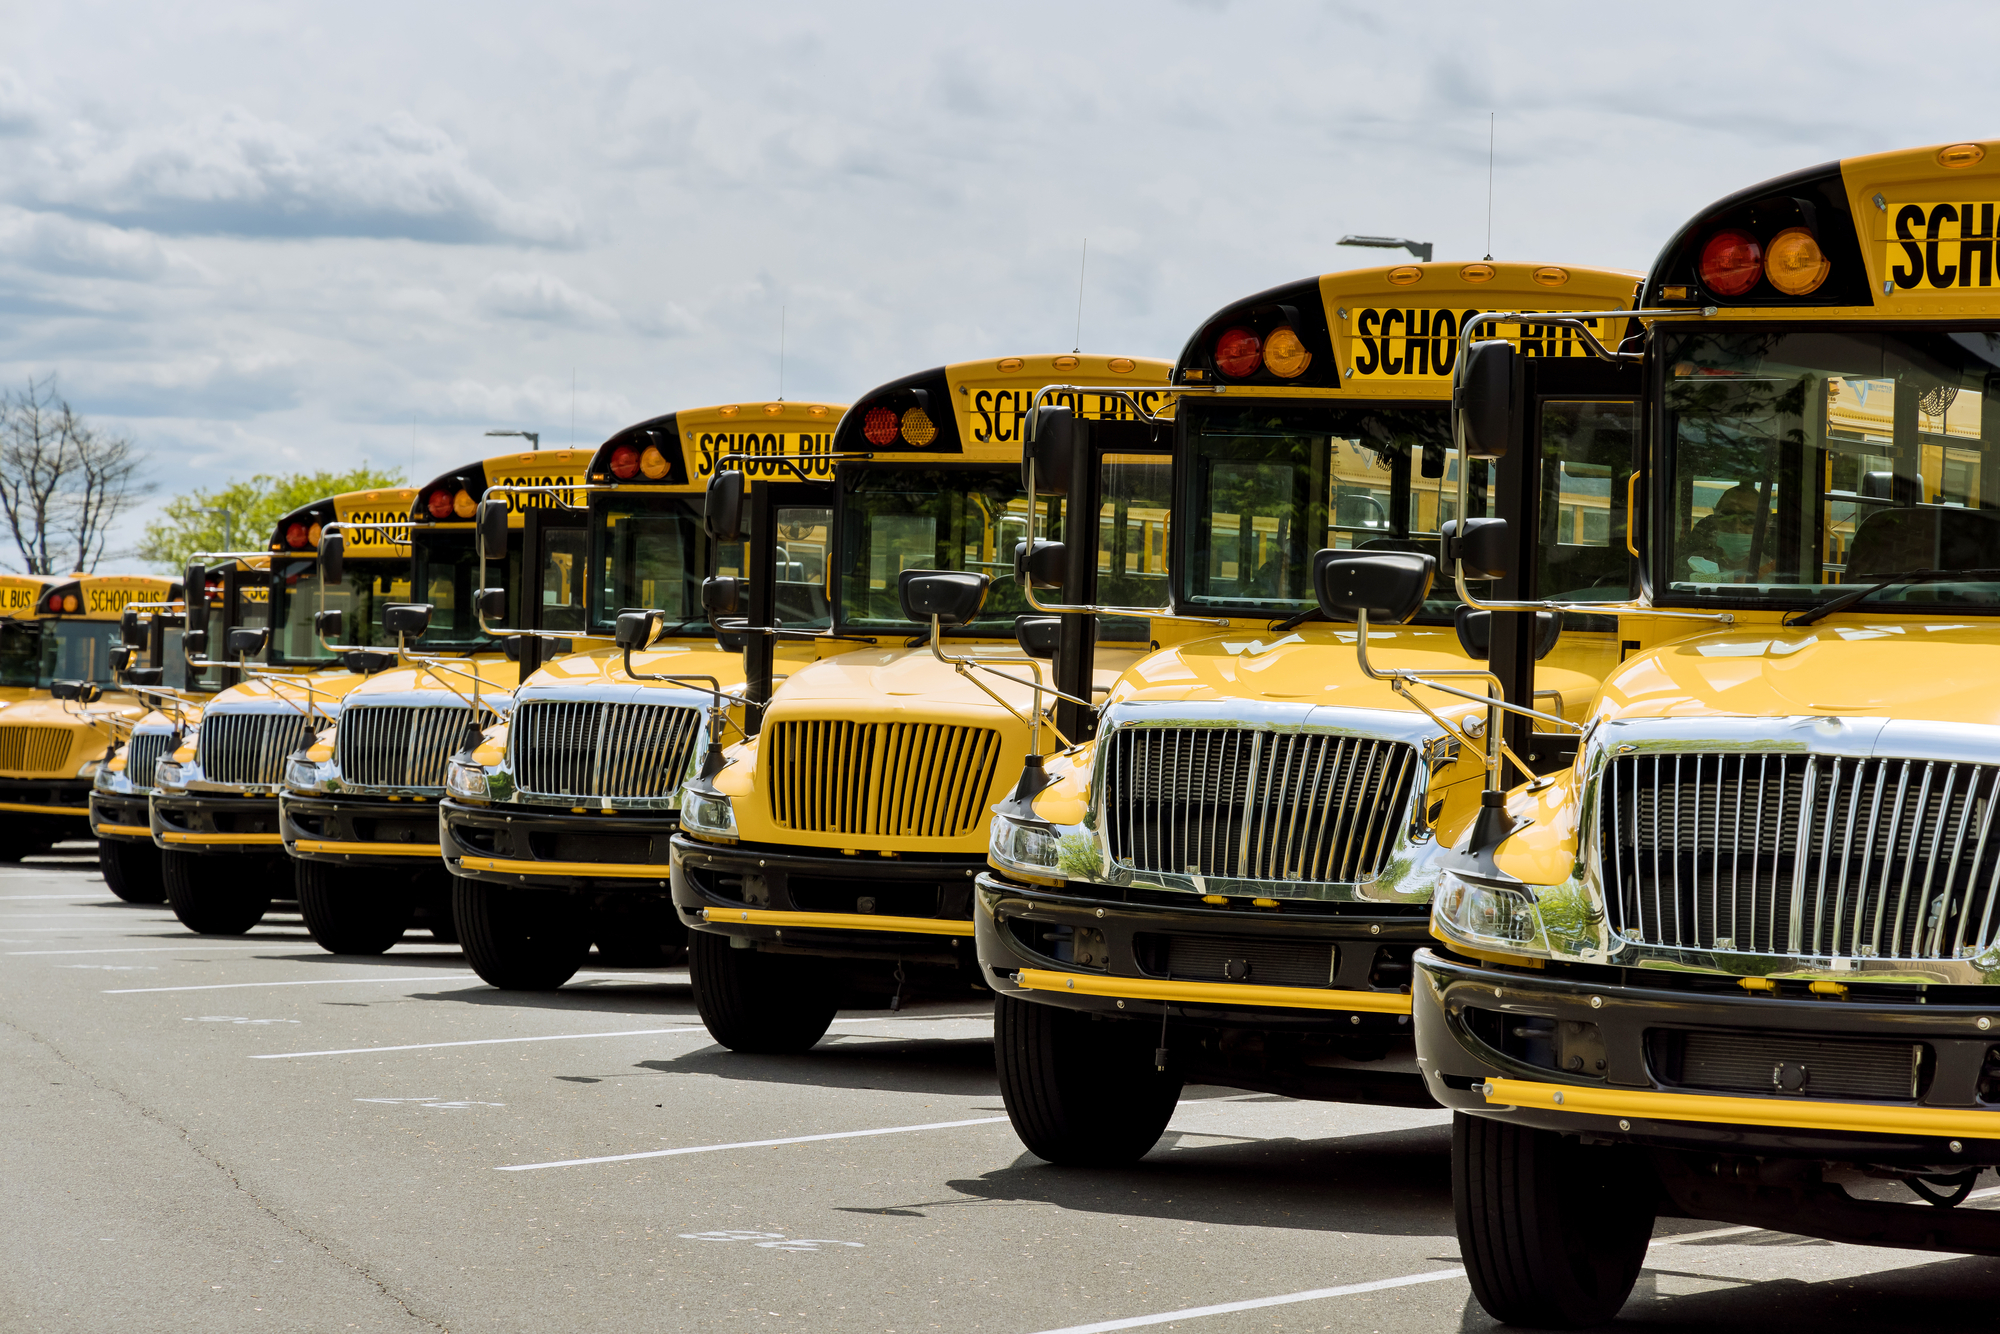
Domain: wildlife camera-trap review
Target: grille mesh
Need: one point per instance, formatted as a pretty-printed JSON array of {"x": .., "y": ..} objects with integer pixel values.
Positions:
[
  {"x": 34, "y": 749},
  {"x": 1242, "y": 804},
  {"x": 143, "y": 754},
  {"x": 889, "y": 780},
  {"x": 565, "y": 748},
  {"x": 249, "y": 748},
  {"x": 400, "y": 745},
  {"x": 1808, "y": 856}
]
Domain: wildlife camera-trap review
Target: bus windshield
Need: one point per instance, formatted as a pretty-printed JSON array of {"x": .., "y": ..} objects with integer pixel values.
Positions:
[
  {"x": 20, "y": 653},
  {"x": 896, "y": 519},
  {"x": 445, "y": 565},
  {"x": 1802, "y": 462},
  {"x": 78, "y": 650},
  {"x": 652, "y": 554},
  {"x": 369, "y": 587}
]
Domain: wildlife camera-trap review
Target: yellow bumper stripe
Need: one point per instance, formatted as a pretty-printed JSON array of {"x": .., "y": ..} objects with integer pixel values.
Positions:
[
  {"x": 217, "y": 840},
  {"x": 1215, "y": 993},
  {"x": 45, "y": 810},
  {"x": 840, "y": 921},
  {"x": 598, "y": 870},
  {"x": 123, "y": 830},
  {"x": 373, "y": 849},
  {"x": 1952, "y": 1122}
]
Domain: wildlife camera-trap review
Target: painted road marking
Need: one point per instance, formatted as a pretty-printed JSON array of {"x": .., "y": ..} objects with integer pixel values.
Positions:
[
  {"x": 309, "y": 982},
  {"x": 146, "y": 949},
  {"x": 1225, "y": 1308},
  {"x": 471, "y": 1042},
  {"x": 751, "y": 1144}
]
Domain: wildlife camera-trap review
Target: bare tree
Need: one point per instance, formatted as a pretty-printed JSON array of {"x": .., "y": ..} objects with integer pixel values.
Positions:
[{"x": 63, "y": 484}]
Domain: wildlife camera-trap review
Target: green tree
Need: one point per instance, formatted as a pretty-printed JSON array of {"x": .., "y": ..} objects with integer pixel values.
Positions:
[{"x": 196, "y": 521}]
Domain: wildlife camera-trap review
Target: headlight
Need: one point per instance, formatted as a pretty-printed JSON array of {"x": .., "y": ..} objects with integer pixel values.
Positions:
[
  {"x": 1485, "y": 913},
  {"x": 168, "y": 774},
  {"x": 302, "y": 775},
  {"x": 706, "y": 811},
  {"x": 108, "y": 779},
  {"x": 89, "y": 768},
  {"x": 1041, "y": 851},
  {"x": 466, "y": 780}
]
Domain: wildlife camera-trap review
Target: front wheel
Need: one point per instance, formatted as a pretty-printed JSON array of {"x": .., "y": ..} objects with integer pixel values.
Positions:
[
  {"x": 217, "y": 895},
  {"x": 757, "y": 1002},
  {"x": 519, "y": 940},
  {"x": 1553, "y": 1232},
  {"x": 350, "y": 910},
  {"x": 1081, "y": 1093},
  {"x": 132, "y": 871}
]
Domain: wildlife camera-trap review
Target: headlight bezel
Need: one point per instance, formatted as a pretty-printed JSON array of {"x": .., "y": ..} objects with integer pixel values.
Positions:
[
  {"x": 708, "y": 814},
  {"x": 1489, "y": 914},
  {"x": 467, "y": 781}
]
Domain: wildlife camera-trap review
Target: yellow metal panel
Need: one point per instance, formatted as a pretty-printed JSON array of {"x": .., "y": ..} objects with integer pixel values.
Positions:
[
  {"x": 602, "y": 870},
  {"x": 1794, "y": 1112},
  {"x": 1215, "y": 993},
  {"x": 378, "y": 849},
  {"x": 840, "y": 921},
  {"x": 122, "y": 830},
  {"x": 219, "y": 840}
]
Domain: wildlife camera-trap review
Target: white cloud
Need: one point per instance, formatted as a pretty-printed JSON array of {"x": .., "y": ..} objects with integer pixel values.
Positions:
[
  {"x": 50, "y": 242},
  {"x": 541, "y": 296}
]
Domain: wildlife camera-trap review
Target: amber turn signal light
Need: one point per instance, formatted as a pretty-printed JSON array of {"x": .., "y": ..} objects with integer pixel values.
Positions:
[{"x": 1795, "y": 264}]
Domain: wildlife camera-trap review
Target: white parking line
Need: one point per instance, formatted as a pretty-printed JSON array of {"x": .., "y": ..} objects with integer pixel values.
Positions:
[
  {"x": 309, "y": 982},
  {"x": 751, "y": 1144},
  {"x": 1224, "y": 1308},
  {"x": 78, "y": 894},
  {"x": 150, "y": 949},
  {"x": 473, "y": 1042}
]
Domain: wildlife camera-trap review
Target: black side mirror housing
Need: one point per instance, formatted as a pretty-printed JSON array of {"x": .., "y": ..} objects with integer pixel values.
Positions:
[
  {"x": 953, "y": 597},
  {"x": 197, "y": 596},
  {"x": 194, "y": 643},
  {"x": 722, "y": 507},
  {"x": 1044, "y": 565},
  {"x": 143, "y": 676},
  {"x": 368, "y": 661},
  {"x": 490, "y": 529},
  {"x": 723, "y": 595},
  {"x": 65, "y": 690},
  {"x": 1482, "y": 546},
  {"x": 492, "y": 603},
  {"x": 121, "y": 658},
  {"x": 633, "y": 629},
  {"x": 327, "y": 624},
  {"x": 332, "y": 559},
  {"x": 1390, "y": 586},
  {"x": 1482, "y": 396},
  {"x": 131, "y": 630},
  {"x": 1038, "y": 636},
  {"x": 1475, "y": 632},
  {"x": 247, "y": 643},
  {"x": 411, "y": 619},
  {"x": 1049, "y": 448}
]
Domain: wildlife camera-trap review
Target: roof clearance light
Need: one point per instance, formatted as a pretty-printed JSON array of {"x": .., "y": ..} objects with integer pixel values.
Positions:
[
  {"x": 653, "y": 463},
  {"x": 1238, "y": 353},
  {"x": 879, "y": 426},
  {"x": 918, "y": 428},
  {"x": 439, "y": 504},
  {"x": 1730, "y": 262},
  {"x": 1120, "y": 365},
  {"x": 463, "y": 505},
  {"x": 1550, "y": 276},
  {"x": 624, "y": 462},
  {"x": 1477, "y": 273},
  {"x": 1795, "y": 264},
  {"x": 1285, "y": 355},
  {"x": 1959, "y": 156},
  {"x": 295, "y": 536}
]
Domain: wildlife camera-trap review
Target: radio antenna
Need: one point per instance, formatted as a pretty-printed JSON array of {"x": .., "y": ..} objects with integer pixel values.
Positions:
[
  {"x": 1081, "y": 264},
  {"x": 781, "y": 354},
  {"x": 1491, "y": 116}
]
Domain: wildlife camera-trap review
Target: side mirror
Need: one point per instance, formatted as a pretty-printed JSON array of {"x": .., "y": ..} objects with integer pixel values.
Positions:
[
  {"x": 722, "y": 508},
  {"x": 197, "y": 596},
  {"x": 1049, "y": 447},
  {"x": 1475, "y": 632},
  {"x": 143, "y": 676},
  {"x": 633, "y": 629},
  {"x": 723, "y": 595},
  {"x": 1038, "y": 636},
  {"x": 490, "y": 529},
  {"x": 367, "y": 662},
  {"x": 1044, "y": 565},
  {"x": 328, "y": 624},
  {"x": 953, "y": 597},
  {"x": 247, "y": 643},
  {"x": 131, "y": 630},
  {"x": 1431, "y": 461},
  {"x": 121, "y": 659},
  {"x": 409, "y": 620},
  {"x": 194, "y": 643},
  {"x": 492, "y": 603},
  {"x": 1482, "y": 395},
  {"x": 1390, "y": 586},
  {"x": 65, "y": 690},
  {"x": 1482, "y": 546},
  {"x": 332, "y": 559}
]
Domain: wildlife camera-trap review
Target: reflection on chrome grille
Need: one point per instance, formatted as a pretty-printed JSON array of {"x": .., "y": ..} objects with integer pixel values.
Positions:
[
  {"x": 144, "y": 754},
  {"x": 1251, "y": 805},
  {"x": 1804, "y": 855},
  {"x": 34, "y": 749},
  {"x": 565, "y": 748},
  {"x": 400, "y": 745},
  {"x": 249, "y": 748},
  {"x": 890, "y": 780}
]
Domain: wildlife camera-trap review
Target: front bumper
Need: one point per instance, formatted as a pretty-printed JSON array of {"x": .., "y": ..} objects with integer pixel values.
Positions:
[
  {"x": 120, "y": 818},
  {"x": 534, "y": 847},
  {"x": 1589, "y": 1054},
  {"x": 358, "y": 831},
  {"x": 891, "y": 909},
  {"x": 55, "y": 798},
  {"x": 208, "y": 822},
  {"x": 1088, "y": 948}
]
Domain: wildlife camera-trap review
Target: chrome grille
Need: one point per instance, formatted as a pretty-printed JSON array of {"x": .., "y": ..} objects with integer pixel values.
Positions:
[
  {"x": 400, "y": 745},
  {"x": 1244, "y": 804},
  {"x": 574, "y": 748},
  {"x": 34, "y": 749},
  {"x": 889, "y": 780},
  {"x": 1802, "y": 855},
  {"x": 249, "y": 749},
  {"x": 143, "y": 754}
]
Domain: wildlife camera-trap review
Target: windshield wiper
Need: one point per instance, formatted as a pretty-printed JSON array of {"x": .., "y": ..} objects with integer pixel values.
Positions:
[
  {"x": 1294, "y": 622},
  {"x": 1846, "y": 600}
]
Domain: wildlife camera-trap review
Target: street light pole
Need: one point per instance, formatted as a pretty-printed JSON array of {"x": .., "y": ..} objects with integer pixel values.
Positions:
[
  {"x": 1421, "y": 249},
  {"x": 534, "y": 438}
]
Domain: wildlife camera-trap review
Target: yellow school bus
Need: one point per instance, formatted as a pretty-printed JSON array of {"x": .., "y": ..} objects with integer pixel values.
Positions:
[
  {"x": 828, "y": 860},
  {"x": 555, "y": 829},
  {"x": 213, "y": 810},
  {"x": 1741, "y": 956},
  {"x": 359, "y": 812}
]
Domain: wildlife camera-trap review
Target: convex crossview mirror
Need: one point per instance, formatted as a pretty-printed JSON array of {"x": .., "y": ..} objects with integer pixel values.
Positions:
[
  {"x": 1483, "y": 397},
  {"x": 1043, "y": 565},
  {"x": 1385, "y": 586},
  {"x": 1049, "y": 448},
  {"x": 367, "y": 662},
  {"x": 409, "y": 620},
  {"x": 327, "y": 624},
  {"x": 492, "y": 603},
  {"x": 247, "y": 643},
  {"x": 82, "y": 692},
  {"x": 1038, "y": 636},
  {"x": 723, "y": 595},
  {"x": 632, "y": 629},
  {"x": 332, "y": 560},
  {"x": 953, "y": 597},
  {"x": 722, "y": 509},
  {"x": 144, "y": 676},
  {"x": 197, "y": 597},
  {"x": 1475, "y": 631},
  {"x": 490, "y": 529},
  {"x": 121, "y": 658},
  {"x": 1481, "y": 546}
]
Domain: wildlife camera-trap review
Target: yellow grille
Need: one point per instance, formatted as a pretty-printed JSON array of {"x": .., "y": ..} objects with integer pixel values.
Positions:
[
  {"x": 887, "y": 780},
  {"x": 34, "y": 749}
]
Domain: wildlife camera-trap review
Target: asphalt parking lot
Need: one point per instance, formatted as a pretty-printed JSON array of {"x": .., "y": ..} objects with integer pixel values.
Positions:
[{"x": 211, "y": 1134}]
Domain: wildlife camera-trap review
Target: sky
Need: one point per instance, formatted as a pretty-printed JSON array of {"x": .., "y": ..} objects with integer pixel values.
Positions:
[{"x": 268, "y": 237}]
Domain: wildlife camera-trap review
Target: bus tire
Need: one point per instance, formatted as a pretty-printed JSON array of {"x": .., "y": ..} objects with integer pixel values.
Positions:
[
  {"x": 132, "y": 871},
  {"x": 519, "y": 940},
  {"x": 216, "y": 896},
  {"x": 756, "y": 1002},
  {"x": 1553, "y": 1232},
  {"x": 349, "y": 910},
  {"x": 1080, "y": 1094}
]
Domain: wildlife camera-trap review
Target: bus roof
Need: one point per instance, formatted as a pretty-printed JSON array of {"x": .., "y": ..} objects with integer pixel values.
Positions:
[
  {"x": 102, "y": 597},
  {"x": 974, "y": 409},
  {"x": 298, "y": 532},
  {"x": 450, "y": 499},
  {"x": 679, "y": 451},
  {"x": 1388, "y": 332}
]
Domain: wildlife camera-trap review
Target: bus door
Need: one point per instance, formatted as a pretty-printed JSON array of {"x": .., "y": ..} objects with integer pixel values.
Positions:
[
  {"x": 556, "y": 543},
  {"x": 789, "y": 562}
]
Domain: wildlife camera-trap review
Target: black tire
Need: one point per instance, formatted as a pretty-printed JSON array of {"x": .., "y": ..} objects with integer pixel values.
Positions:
[
  {"x": 519, "y": 940},
  {"x": 349, "y": 910},
  {"x": 1553, "y": 1232},
  {"x": 132, "y": 871},
  {"x": 217, "y": 895},
  {"x": 757, "y": 1002},
  {"x": 1080, "y": 1093}
]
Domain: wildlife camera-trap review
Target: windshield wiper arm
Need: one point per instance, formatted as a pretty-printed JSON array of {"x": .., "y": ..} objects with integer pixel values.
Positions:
[
  {"x": 1846, "y": 600},
  {"x": 1294, "y": 622}
]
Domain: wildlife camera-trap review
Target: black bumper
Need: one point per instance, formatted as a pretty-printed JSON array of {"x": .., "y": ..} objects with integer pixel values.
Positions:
[
  {"x": 54, "y": 799},
  {"x": 1569, "y": 1031},
  {"x": 1347, "y": 1038},
  {"x": 120, "y": 819},
  {"x": 360, "y": 831},
  {"x": 536, "y": 847},
  {"x": 750, "y": 892},
  {"x": 211, "y": 823}
]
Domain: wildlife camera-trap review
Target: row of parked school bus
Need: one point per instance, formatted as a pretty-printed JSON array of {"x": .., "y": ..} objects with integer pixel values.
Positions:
[{"x": 1555, "y": 694}]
